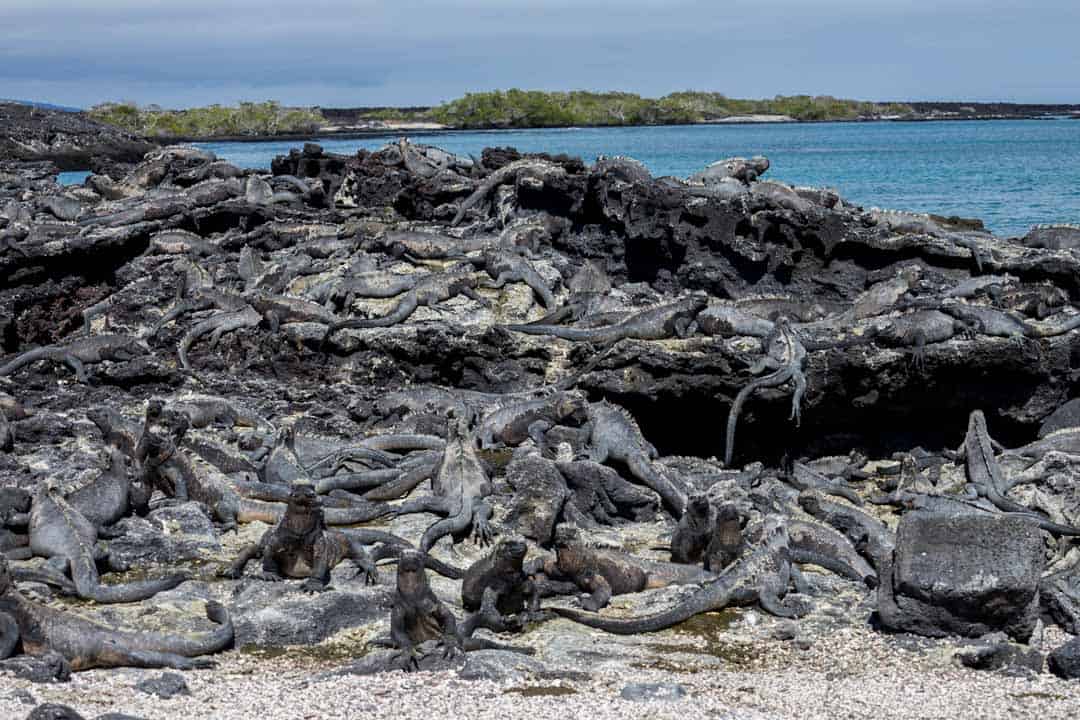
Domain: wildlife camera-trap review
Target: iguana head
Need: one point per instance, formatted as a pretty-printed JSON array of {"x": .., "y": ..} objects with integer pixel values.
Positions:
[
  {"x": 810, "y": 501},
  {"x": 411, "y": 578},
  {"x": 303, "y": 495},
  {"x": 573, "y": 406},
  {"x": 566, "y": 537},
  {"x": 698, "y": 505},
  {"x": 510, "y": 553}
]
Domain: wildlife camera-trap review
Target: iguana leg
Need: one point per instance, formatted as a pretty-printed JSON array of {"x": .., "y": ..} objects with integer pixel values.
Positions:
[
  {"x": 489, "y": 617},
  {"x": 473, "y": 295},
  {"x": 772, "y": 604},
  {"x": 483, "y": 532},
  {"x": 500, "y": 281},
  {"x": 800, "y": 583},
  {"x": 77, "y": 365},
  {"x": 428, "y": 504},
  {"x": 359, "y": 555},
  {"x": 452, "y": 525},
  {"x": 9, "y": 636},
  {"x": 247, "y": 554},
  {"x": 599, "y": 591}
]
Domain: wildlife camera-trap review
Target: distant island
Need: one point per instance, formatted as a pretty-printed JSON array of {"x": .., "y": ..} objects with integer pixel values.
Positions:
[{"x": 520, "y": 109}]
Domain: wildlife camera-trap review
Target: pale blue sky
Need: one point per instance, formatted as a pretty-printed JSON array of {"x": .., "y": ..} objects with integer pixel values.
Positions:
[{"x": 368, "y": 52}]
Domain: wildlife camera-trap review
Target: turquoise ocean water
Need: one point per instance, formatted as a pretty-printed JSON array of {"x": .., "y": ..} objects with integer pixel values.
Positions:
[{"x": 1011, "y": 174}]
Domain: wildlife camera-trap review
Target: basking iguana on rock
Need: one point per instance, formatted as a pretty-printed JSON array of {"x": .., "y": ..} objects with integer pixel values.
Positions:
[
  {"x": 498, "y": 592},
  {"x": 871, "y": 537},
  {"x": 602, "y": 574},
  {"x": 460, "y": 487},
  {"x": 57, "y": 530},
  {"x": 301, "y": 546},
  {"x": 667, "y": 321},
  {"x": 785, "y": 357},
  {"x": 511, "y": 266},
  {"x": 511, "y": 172},
  {"x": 81, "y": 352},
  {"x": 512, "y": 424},
  {"x": 762, "y": 577},
  {"x": 615, "y": 435},
  {"x": 215, "y": 326},
  {"x": 431, "y": 290},
  {"x": 86, "y": 644},
  {"x": 985, "y": 473}
]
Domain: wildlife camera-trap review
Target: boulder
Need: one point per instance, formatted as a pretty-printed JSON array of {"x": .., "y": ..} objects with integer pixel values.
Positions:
[
  {"x": 966, "y": 575},
  {"x": 1065, "y": 661},
  {"x": 279, "y": 614}
]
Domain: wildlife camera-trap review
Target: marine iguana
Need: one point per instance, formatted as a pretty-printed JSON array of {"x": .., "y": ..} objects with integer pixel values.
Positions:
[
  {"x": 827, "y": 548},
  {"x": 215, "y": 326},
  {"x": 81, "y": 352},
  {"x": 693, "y": 532},
  {"x": 57, "y": 530},
  {"x": 726, "y": 543},
  {"x": 460, "y": 486},
  {"x": 804, "y": 477},
  {"x": 111, "y": 495},
  {"x": 762, "y": 577},
  {"x": 430, "y": 290},
  {"x": 785, "y": 357},
  {"x": 511, "y": 424},
  {"x": 497, "y": 592},
  {"x": 505, "y": 266},
  {"x": 301, "y": 546},
  {"x": 283, "y": 466},
  {"x": 871, "y": 537},
  {"x": 672, "y": 320},
  {"x": 419, "y": 617},
  {"x": 86, "y": 644},
  {"x": 986, "y": 474},
  {"x": 510, "y": 172},
  {"x": 602, "y": 574},
  {"x": 615, "y": 435}
]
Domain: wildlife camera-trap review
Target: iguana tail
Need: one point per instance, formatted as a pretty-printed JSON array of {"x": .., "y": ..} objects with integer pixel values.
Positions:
[
  {"x": 216, "y": 640},
  {"x": 710, "y": 597},
  {"x": 47, "y": 352},
  {"x": 771, "y": 380},
  {"x": 567, "y": 333},
  {"x": 89, "y": 586}
]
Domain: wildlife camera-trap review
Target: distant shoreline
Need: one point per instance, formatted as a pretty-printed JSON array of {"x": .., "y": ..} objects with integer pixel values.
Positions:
[{"x": 396, "y": 131}]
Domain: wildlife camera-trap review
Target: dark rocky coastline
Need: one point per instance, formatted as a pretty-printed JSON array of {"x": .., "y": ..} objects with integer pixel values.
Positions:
[{"x": 562, "y": 345}]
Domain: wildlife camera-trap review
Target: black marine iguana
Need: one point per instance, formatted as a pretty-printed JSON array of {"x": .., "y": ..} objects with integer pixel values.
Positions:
[
  {"x": 785, "y": 358},
  {"x": 695, "y": 528},
  {"x": 86, "y": 644},
  {"x": 602, "y": 574},
  {"x": 419, "y": 617},
  {"x": 615, "y": 435},
  {"x": 301, "y": 546},
  {"x": 512, "y": 424},
  {"x": 986, "y": 475},
  {"x": 57, "y": 530},
  {"x": 726, "y": 541},
  {"x": 672, "y": 320},
  {"x": 431, "y": 290},
  {"x": 460, "y": 487},
  {"x": 81, "y": 352},
  {"x": 497, "y": 592},
  {"x": 761, "y": 577}
]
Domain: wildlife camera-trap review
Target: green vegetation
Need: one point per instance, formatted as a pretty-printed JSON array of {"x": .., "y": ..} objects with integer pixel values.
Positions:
[
  {"x": 498, "y": 109},
  {"x": 522, "y": 108},
  {"x": 268, "y": 118}
]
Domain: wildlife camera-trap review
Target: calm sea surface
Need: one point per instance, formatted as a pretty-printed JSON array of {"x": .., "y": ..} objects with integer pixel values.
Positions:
[{"x": 1012, "y": 174}]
